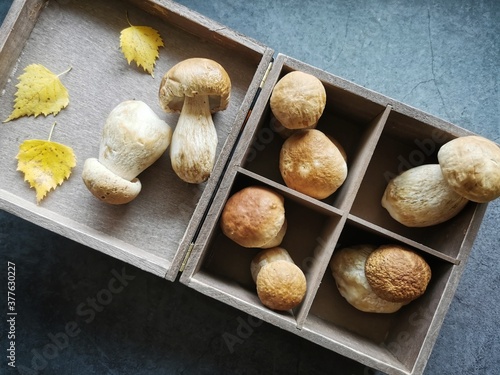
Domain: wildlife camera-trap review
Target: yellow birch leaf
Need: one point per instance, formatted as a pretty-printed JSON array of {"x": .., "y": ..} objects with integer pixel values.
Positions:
[
  {"x": 141, "y": 44},
  {"x": 45, "y": 164},
  {"x": 39, "y": 91}
]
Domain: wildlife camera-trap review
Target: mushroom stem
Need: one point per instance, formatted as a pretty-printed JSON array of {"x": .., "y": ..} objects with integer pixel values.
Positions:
[{"x": 194, "y": 141}]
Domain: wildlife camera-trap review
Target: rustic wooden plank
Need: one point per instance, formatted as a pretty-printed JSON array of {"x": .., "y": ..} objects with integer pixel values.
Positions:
[
  {"x": 75, "y": 231},
  {"x": 14, "y": 31}
]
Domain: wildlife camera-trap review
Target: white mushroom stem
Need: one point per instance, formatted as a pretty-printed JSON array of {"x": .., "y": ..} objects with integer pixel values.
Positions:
[{"x": 194, "y": 141}]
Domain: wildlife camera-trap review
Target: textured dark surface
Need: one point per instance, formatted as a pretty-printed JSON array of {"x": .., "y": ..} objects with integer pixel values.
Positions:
[{"x": 76, "y": 316}]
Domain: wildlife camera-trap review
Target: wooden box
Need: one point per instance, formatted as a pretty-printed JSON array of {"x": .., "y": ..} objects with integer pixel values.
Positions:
[{"x": 172, "y": 228}]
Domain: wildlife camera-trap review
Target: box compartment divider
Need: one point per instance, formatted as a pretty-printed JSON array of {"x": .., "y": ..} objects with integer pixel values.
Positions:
[
  {"x": 398, "y": 238},
  {"x": 361, "y": 160}
]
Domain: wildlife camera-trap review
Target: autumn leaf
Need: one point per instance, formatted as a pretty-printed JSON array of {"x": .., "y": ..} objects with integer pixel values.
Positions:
[
  {"x": 39, "y": 91},
  {"x": 45, "y": 164},
  {"x": 141, "y": 44}
]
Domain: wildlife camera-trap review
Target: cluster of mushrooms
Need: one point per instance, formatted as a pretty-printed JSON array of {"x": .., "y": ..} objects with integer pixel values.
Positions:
[
  {"x": 134, "y": 137},
  {"x": 310, "y": 162},
  {"x": 385, "y": 278},
  {"x": 254, "y": 217},
  {"x": 468, "y": 169},
  {"x": 372, "y": 278}
]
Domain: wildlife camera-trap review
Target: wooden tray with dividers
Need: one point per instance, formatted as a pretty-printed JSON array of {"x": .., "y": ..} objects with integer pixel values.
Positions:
[{"x": 173, "y": 228}]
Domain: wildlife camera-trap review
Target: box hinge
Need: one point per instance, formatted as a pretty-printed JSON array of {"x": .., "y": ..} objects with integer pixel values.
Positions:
[
  {"x": 266, "y": 74},
  {"x": 188, "y": 254},
  {"x": 257, "y": 93}
]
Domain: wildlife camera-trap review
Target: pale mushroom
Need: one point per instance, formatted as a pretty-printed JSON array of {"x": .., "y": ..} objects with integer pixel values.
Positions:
[
  {"x": 298, "y": 100},
  {"x": 348, "y": 269},
  {"x": 133, "y": 138},
  {"x": 421, "y": 197},
  {"x": 281, "y": 284},
  {"x": 379, "y": 279},
  {"x": 312, "y": 164},
  {"x": 254, "y": 217},
  {"x": 196, "y": 87},
  {"x": 471, "y": 166},
  {"x": 108, "y": 186}
]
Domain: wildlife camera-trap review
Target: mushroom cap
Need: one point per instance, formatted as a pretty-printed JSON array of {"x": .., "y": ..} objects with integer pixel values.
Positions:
[
  {"x": 195, "y": 76},
  {"x": 397, "y": 274},
  {"x": 133, "y": 138},
  {"x": 348, "y": 269},
  {"x": 298, "y": 100},
  {"x": 471, "y": 166},
  {"x": 421, "y": 197},
  {"x": 311, "y": 164},
  {"x": 281, "y": 285},
  {"x": 267, "y": 256},
  {"x": 254, "y": 217},
  {"x": 106, "y": 185}
]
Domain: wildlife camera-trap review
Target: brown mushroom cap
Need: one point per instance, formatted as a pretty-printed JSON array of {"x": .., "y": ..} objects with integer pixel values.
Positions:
[
  {"x": 106, "y": 185},
  {"x": 471, "y": 166},
  {"x": 311, "y": 164},
  {"x": 195, "y": 76},
  {"x": 281, "y": 285},
  {"x": 348, "y": 269},
  {"x": 254, "y": 217},
  {"x": 397, "y": 274},
  {"x": 298, "y": 100},
  {"x": 421, "y": 197}
]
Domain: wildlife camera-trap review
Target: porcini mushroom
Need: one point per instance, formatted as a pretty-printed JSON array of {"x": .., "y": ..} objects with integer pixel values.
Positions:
[
  {"x": 254, "y": 217},
  {"x": 312, "y": 164},
  {"x": 281, "y": 284},
  {"x": 421, "y": 197},
  {"x": 133, "y": 138},
  {"x": 379, "y": 279},
  {"x": 397, "y": 274},
  {"x": 348, "y": 269},
  {"x": 471, "y": 166},
  {"x": 298, "y": 100},
  {"x": 197, "y": 87}
]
